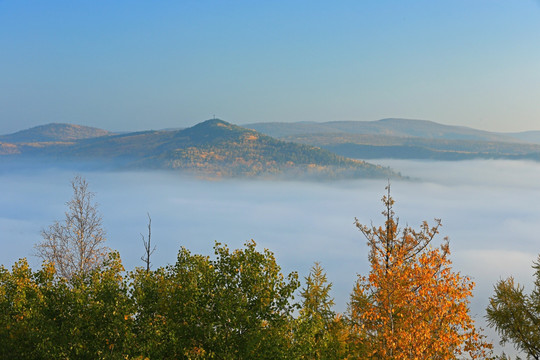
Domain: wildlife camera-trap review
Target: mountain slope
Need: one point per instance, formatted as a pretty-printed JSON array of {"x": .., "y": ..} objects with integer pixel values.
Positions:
[
  {"x": 407, "y": 139},
  {"x": 386, "y": 127},
  {"x": 217, "y": 147},
  {"x": 54, "y": 133},
  {"x": 527, "y": 136},
  {"x": 213, "y": 148}
]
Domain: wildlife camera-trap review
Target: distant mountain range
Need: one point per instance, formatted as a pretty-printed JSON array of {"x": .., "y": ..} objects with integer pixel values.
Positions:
[
  {"x": 406, "y": 139},
  {"x": 392, "y": 127},
  {"x": 211, "y": 149},
  {"x": 54, "y": 132},
  {"x": 215, "y": 148}
]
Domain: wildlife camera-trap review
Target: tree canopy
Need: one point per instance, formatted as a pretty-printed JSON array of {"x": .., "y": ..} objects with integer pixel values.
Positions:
[
  {"x": 516, "y": 315},
  {"x": 412, "y": 305},
  {"x": 237, "y": 304}
]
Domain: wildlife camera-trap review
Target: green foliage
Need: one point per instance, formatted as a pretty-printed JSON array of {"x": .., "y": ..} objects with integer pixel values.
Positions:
[
  {"x": 45, "y": 316},
  {"x": 20, "y": 304},
  {"x": 516, "y": 315},
  {"x": 251, "y": 311},
  {"x": 170, "y": 319},
  {"x": 317, "y": 303},
  {"x": 320, "y": 333},
  {"x": 236, "y": 306}
]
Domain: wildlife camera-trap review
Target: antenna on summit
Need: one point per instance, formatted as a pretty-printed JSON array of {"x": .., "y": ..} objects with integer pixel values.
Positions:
[{"x": 214, "y": 117}]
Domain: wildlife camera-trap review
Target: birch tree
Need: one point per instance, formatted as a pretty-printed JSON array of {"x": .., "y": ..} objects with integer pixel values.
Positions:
[{"x": 76, "y": 245}]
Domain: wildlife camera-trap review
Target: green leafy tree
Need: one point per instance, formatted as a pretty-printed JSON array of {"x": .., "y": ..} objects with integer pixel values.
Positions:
[
  {"x": 253, "y": 310},
  {"x": 99, "y": 313},
  {"x": 516, "y": 315},
  {"x": 171, "y": 320},
  {"x": 20, "y": 305},
  {"x": 237, "y": 306},
  {"x": 320, "y": 332},
  {"x": 44, "y": 316}
]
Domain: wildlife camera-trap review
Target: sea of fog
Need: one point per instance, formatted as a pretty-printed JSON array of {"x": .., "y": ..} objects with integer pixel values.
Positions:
[{"x": 490, "y": 211}]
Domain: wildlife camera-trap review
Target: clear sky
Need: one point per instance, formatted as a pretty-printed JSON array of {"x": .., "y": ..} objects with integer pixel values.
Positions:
[{"x": 134, "y": 65}]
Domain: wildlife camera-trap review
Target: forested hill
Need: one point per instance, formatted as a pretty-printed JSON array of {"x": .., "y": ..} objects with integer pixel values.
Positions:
[
  {"x": 212, "y": 149},
  {"x": 406, "y": 139},
  {"x": 53, "y": 133},
  {"x": 217, "y": 147},
  {"x": 385, "y": 127}
]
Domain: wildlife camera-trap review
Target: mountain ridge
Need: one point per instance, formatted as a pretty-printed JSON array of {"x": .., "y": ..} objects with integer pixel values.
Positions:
[
  {"x": 54, "y": 132},
  {"x": 209, "y": 146},
  {"x": 407, "y": 139},
  {"x": 389, "y": 126},
  {"x": 213, "y": 149},
  {"x": 64, "y": 132}
]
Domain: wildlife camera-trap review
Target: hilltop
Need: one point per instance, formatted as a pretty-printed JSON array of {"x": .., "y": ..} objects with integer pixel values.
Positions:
[
  {"x": 212, "y": 149},
  {"x": 216, "y": 148},
  {"x": 54, "y": 133}
]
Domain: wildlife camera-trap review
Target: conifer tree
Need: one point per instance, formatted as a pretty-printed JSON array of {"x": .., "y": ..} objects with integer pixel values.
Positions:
[
  {"x": 320, "y": 333},
  {"x": 412, "y": 305},
  {"x": 516, "y": 315}
]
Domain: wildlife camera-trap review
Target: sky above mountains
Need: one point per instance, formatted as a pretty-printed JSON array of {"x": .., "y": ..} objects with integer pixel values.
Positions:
[{"x": 133, "y": 65}]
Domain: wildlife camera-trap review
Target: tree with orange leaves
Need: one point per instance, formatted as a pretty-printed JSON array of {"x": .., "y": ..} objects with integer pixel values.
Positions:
[{"x": 412, "y": 305}]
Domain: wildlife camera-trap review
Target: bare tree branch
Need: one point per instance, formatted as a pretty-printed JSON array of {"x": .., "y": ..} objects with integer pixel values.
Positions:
[
  {"x": 148, "y": 250},
  {"x": 76, "y": 245}
]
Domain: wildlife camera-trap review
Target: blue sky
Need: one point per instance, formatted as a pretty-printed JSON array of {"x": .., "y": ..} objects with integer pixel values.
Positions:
[{"x": 133, "y": 65}]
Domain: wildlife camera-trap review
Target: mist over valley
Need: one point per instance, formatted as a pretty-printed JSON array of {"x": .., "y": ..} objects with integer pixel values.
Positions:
[
  {"x": 296, "y": 194},
  {"x": 489, "y": 209},
  {"x": 244, "y": 130}
]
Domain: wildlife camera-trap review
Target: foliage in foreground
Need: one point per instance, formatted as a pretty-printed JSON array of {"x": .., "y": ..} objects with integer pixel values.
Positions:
[
  {"x": 238, "y": 305},
  {"x": 412, "y": 305},
  {"x": 516, "y": 315}
]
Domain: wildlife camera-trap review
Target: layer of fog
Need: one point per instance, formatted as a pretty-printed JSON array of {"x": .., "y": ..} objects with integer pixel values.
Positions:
[{"x": 490, "y": 211}]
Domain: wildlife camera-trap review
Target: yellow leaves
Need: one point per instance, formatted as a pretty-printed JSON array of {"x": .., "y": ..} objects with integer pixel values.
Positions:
[{"x": 415, "y": 306}]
